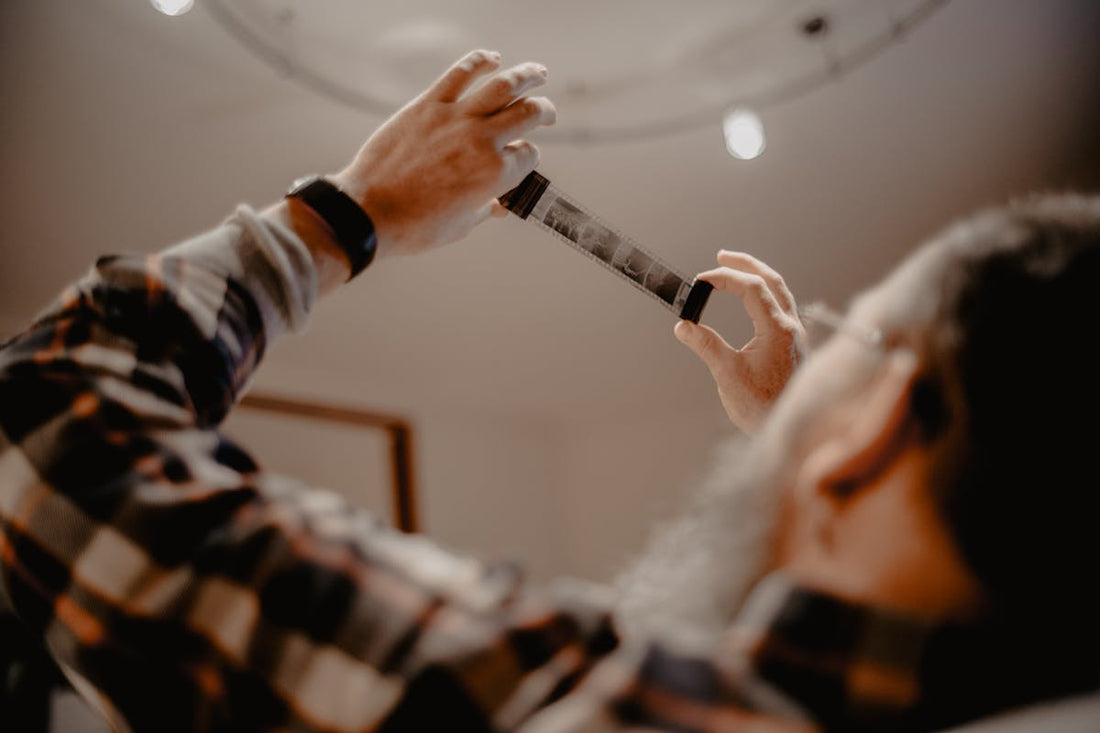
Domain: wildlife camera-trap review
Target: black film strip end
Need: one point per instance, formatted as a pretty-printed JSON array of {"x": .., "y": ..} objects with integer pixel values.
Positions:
[
  {"x": 696, "y": 300},
  {"x": 521, "y": 200}
]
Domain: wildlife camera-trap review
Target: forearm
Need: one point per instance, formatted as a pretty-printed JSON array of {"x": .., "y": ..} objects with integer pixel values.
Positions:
[{"x": 329, "y": 259}]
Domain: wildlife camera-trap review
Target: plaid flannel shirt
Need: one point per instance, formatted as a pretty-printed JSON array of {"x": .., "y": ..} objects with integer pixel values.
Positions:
[{"x": 180, "y": 587}]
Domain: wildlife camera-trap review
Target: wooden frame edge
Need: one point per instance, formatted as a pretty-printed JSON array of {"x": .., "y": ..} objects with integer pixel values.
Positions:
[{"x": 401, "y": 435}]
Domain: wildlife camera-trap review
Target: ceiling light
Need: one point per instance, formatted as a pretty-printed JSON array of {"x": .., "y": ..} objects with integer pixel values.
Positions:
[
  {"x": 172, "y": 7},
  {"x": 744, "y": 133}
]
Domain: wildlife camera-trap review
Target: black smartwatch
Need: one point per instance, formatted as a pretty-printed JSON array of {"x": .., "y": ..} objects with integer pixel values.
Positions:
[{"x": 349, "y": 223}]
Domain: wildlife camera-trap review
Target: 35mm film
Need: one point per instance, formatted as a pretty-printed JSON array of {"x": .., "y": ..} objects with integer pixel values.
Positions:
[{"x": 539, "y": 202}]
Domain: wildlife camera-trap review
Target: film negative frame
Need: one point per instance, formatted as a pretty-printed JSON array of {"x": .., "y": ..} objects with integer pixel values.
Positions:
[{"x": 538, "y": 201}]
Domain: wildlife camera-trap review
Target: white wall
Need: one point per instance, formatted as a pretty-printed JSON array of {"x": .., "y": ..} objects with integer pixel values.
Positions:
[
  {"x": 488, "y": 484},
  {"x": 625, "y": 477},
  {"x": 560, "y": 498},
  {"x": 492, "y": 485}
]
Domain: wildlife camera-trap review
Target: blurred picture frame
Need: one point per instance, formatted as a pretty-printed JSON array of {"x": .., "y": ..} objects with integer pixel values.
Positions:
[{"x": 367, "y": 456}]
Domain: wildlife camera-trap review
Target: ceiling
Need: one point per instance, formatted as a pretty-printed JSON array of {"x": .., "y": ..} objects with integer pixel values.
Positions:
[
  {"x": 611, "y": 60},
  {"x": 123, "y": 129}
]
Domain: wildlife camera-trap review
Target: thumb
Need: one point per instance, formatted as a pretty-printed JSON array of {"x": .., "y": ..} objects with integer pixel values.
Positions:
[
  {"x": 707, "y": 344},
  {"x": 491, "y": 210}
]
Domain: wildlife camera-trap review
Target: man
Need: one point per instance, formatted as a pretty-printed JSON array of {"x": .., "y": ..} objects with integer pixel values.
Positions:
[
  {"x": 931, "y": 476},
  {"x": 180, "y": 587}
]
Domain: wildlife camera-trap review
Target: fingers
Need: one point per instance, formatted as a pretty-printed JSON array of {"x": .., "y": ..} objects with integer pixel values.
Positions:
[
  {"x": 523, "y": 116},
  {"x": 505, "y": 88},
  {"x": 747, "y": 263},
  {"x": 520, "y": 158},
  {"x": 460, "y": 77},
  {"x": 707, "y": 344},
  {"x": 491, "y": 210},
  {"x": 760, "y": 303}
]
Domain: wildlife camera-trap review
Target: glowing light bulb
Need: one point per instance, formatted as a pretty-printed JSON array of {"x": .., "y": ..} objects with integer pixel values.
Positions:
[
  {"x": 744, "y": 133},
  {"x": 172, "y": 7}
]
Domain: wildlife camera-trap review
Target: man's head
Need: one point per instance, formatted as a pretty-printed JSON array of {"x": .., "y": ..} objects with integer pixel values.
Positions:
[
  {"x": 952, "y": 472},
  {"x": 946, "y": 471}
]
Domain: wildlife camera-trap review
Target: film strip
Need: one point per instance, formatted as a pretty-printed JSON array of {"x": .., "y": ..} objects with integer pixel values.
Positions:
[{"x": 540, "y": 202}]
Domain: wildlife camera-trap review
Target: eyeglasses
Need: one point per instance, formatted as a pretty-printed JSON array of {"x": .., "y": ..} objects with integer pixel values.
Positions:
[{"x": 822, "y": 321}]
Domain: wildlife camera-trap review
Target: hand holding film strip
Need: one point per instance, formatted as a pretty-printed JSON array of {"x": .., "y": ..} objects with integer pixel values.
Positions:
[
  {"x": 429, "y": 174},
  {"x": 750, "y": 378}
]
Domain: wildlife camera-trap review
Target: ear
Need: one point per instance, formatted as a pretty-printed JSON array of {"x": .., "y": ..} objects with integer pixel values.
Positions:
[{"x": 874, "y": 429}]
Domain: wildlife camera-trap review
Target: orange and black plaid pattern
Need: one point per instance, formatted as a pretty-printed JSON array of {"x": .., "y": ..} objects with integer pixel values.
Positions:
[{"x": 181, "y": 587}]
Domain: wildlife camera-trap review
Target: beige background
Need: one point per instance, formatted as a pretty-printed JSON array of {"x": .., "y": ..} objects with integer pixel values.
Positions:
[{"x": 557, "y": 419}]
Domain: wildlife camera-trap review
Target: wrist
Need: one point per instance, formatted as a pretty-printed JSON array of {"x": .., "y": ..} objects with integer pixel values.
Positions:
[
  {"x": 373, "y": 205},
  {"x": 329, "y": 259},
  {"x": 349, "y": 225}
]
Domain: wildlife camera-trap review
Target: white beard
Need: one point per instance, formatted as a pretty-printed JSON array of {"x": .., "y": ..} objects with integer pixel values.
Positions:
[{"x": 697, "y": 570}]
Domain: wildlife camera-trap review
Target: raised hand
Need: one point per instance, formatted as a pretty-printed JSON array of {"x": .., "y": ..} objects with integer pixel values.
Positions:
[
  {"x": 750, "y": 378},
  {"x": 433, "y": 171}
]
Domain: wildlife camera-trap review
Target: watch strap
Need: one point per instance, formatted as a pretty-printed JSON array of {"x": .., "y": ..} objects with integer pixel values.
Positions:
[{"x": 351, "y": 226}]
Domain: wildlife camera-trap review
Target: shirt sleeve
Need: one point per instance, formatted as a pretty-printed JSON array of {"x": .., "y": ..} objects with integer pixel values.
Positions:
[{"x": 174, "y": 580}]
